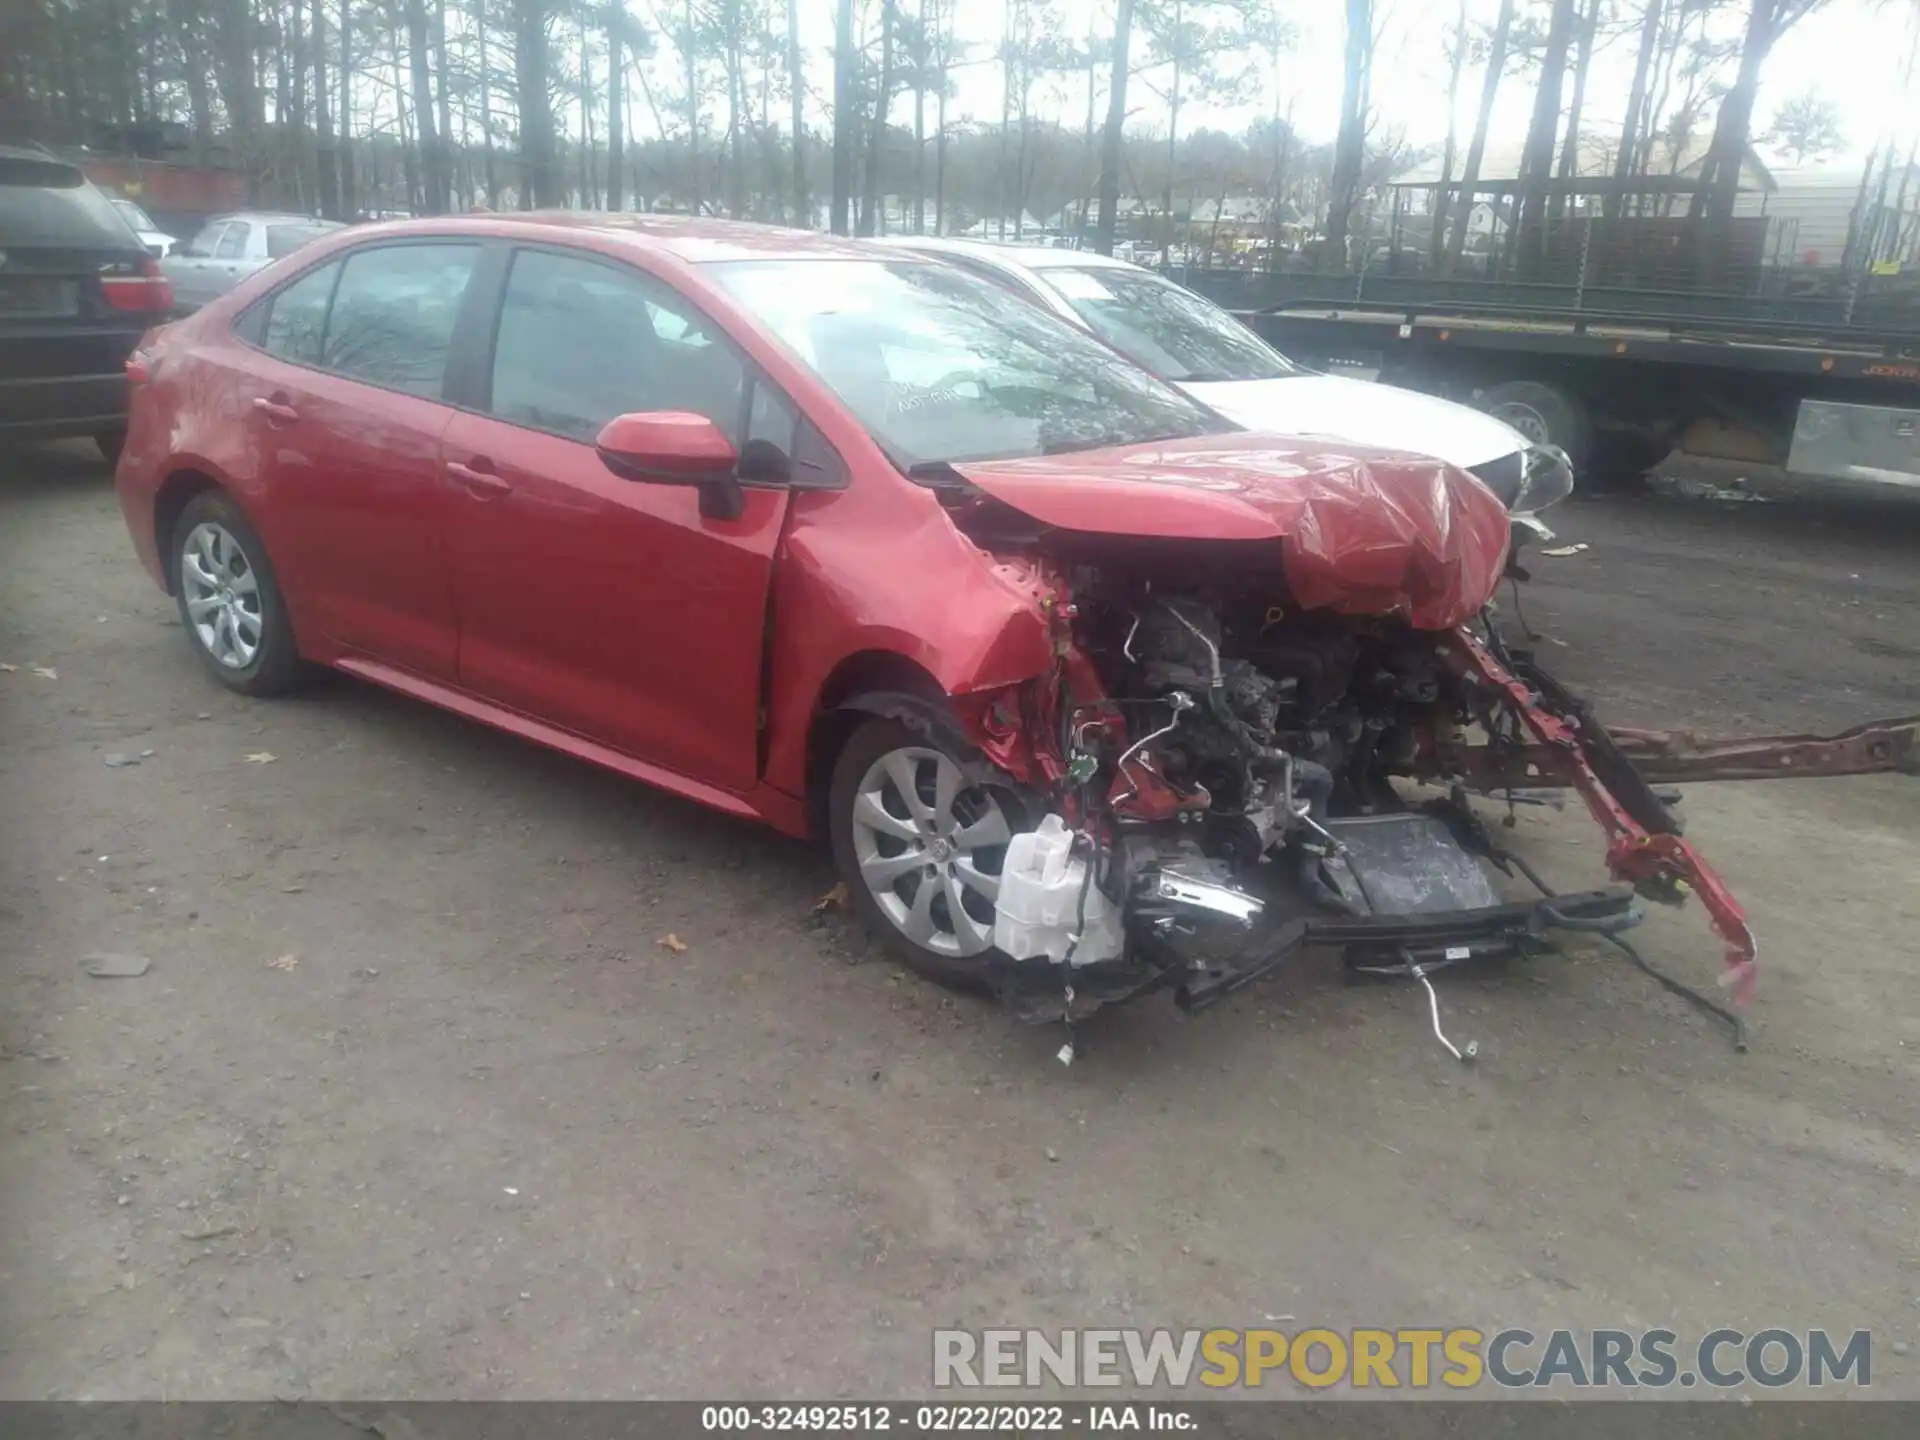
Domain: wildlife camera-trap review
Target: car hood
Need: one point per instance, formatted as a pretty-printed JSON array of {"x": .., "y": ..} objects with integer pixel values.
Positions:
[
  {"x": 1359, "y": 531},
  {"x": 1363, "y": 412}
]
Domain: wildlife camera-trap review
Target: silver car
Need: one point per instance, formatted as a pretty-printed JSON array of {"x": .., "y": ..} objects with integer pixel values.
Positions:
[{"x": 231, "y": 247}]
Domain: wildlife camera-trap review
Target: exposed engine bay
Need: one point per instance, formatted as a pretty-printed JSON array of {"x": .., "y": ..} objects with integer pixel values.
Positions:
[{"x": 1219, "y": 778}]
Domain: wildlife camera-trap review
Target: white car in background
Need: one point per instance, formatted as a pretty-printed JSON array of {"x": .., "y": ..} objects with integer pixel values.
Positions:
[
  {"x": 1193, "y": 344},
  {"x": 157, "y": 241}
]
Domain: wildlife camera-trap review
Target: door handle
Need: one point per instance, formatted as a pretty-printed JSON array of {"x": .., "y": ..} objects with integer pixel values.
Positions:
[
  {"x": 483, "y": 483},
  {"x": 277, "y": 411}
]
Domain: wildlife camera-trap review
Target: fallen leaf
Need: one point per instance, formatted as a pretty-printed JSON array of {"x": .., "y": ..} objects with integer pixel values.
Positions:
[
  {"x": 285, "y": 962},
  {"x": 834, "y": 899},
  {"x": 1562, "y": 551},
  {"x": 117, "y": 760},
  {"x": 46, "y": 672},
  {"x": 8, "y": 668},
  {"x": 262, "y": 757},
  {"x": 672, "y": 942}
]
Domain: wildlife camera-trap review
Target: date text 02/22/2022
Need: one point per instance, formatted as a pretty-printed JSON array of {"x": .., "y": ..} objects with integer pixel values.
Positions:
[{"x": 945, "y": 1419}]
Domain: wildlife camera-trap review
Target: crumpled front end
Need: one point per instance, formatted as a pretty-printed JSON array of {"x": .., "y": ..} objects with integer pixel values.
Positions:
[
  {"x": 1355, "y": 532},
  {"x": 1222, "y": 776}
]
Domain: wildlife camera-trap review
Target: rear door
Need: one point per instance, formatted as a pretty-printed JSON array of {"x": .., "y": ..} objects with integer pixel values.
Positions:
[{"x": 345, "y": 401}]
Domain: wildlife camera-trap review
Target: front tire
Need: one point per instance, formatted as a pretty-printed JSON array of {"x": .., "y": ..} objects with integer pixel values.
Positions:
[
  {"x": 229, "y": 600},
  {"x": 920, "y": 845}
]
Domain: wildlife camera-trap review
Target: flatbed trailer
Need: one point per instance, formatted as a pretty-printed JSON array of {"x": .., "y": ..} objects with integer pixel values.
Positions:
[{"x": 1621, "y": 378}]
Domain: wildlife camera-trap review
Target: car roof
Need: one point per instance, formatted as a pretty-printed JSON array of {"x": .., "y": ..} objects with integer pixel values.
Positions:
[
  {"x": 696, "y": 239},
  {"x": 31, "y": 152},
  {"x": 273, "y": 217},
  {"x": 1012, "y": 255},
  {"x": 35, "y": 155}
]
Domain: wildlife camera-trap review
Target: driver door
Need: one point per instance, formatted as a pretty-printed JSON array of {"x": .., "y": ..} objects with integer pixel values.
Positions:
[{"x": 608, "y": 607}]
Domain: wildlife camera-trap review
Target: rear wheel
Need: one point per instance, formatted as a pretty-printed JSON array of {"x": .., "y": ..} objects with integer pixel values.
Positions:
[
  {"x": 229, "y": 599},
  {"x": 111, "y": 443},
  {"x": 1546, "y": 416},
  {"x": 920, "y": 845}
]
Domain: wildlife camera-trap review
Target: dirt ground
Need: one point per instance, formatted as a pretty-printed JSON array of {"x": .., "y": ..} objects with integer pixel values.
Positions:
[{"x": 412, "y": 1102}]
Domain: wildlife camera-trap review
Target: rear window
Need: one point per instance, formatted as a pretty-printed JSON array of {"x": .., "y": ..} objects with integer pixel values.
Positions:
[
  {"x": 393, "y": 311},
  {"x": 133, "y": 214},
  {"x": 49, "y": 203},
  {"x": 283, "y": 240}
]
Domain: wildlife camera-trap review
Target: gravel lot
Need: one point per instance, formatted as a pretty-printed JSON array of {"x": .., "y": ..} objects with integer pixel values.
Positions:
[{"x": 413, "y": 1103}]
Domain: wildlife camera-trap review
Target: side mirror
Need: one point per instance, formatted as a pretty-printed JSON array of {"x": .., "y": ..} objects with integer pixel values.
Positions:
[{"x": 675, "y": 447}]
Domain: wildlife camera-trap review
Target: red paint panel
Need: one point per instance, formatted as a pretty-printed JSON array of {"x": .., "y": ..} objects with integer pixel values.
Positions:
[
  {"x": 609, "y": 607},
  {"x": 1359, "y": 532}
]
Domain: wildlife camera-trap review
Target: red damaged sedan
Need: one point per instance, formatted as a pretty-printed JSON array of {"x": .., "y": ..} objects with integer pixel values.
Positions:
[{"x": 1090, "y": 693}]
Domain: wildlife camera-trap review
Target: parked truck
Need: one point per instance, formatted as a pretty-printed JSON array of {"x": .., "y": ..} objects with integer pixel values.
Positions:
[{"x": 1762, "y": 364}]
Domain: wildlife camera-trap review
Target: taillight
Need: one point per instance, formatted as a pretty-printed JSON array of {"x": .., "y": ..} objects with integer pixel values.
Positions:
[{"x": 146, "y": 290}]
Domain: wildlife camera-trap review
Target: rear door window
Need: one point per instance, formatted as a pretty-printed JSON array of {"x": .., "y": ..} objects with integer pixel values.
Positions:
[
  {"x": 233, "y": 241},
  {"x": 202, "y": 244},
  {"x": 393, "y": 312},
  {"x": 297, "y": 317}
]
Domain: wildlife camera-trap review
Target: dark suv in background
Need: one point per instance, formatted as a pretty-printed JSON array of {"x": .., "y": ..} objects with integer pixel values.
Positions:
[{"x": 77, "y": 290}]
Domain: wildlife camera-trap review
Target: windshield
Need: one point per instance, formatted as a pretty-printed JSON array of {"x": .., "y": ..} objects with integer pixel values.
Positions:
[
  {"x": 1172, "y": 332},
  {"x": 943, "y": 367},
  {"x": 134, "y": 215},
  {"x": 285, "y": 239}
]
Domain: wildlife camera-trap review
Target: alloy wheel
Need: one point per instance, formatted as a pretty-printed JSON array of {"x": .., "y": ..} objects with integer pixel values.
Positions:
[
  {"x": 930, "y": 845},
  {"x": 222, "y": 595}
]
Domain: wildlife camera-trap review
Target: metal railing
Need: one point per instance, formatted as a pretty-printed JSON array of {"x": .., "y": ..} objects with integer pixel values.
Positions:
[{"x": 1591, "y": 270}]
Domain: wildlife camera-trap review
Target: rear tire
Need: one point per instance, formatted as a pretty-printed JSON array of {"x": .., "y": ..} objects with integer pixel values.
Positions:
[
  {"x": 110, "y": 444},
  {"x": 1546, "y": 416},
  {"x": 229, "y": 600},
  {"x": 919, "y": 846}
]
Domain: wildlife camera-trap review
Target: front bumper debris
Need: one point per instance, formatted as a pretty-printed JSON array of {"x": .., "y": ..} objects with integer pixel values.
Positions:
[
  {"x": 1383, "y": 944},
  {"x": 1644, "y": 844},
  {"x": 1680, "y": 756}
]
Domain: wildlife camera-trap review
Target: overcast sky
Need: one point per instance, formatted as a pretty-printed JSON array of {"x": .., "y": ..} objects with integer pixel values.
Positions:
[{"x": 1850, "y": 52}]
